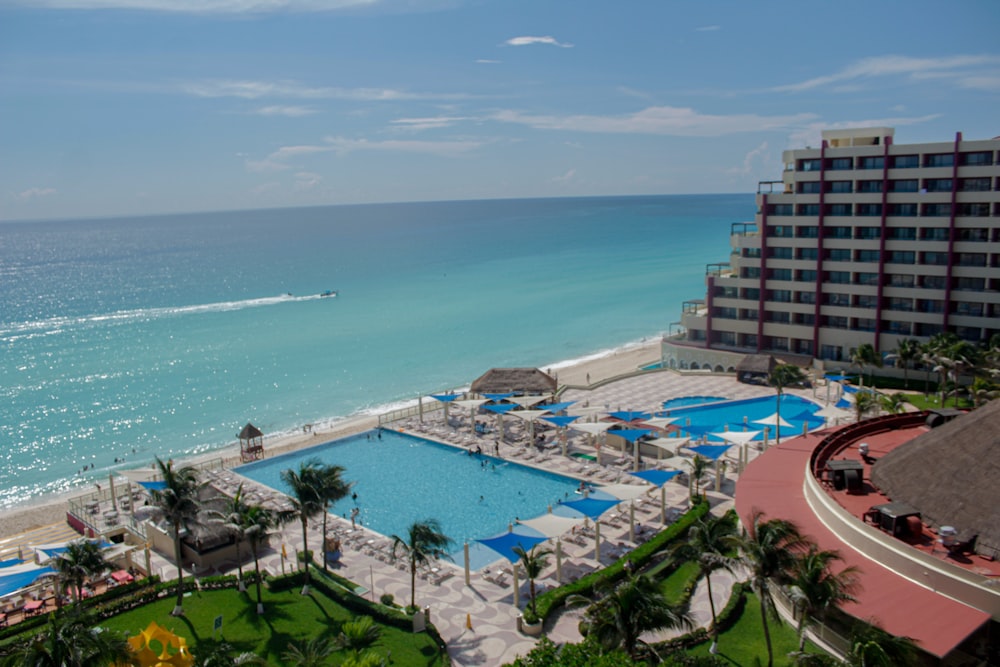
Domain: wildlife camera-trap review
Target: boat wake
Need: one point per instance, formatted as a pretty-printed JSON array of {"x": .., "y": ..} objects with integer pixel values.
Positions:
[{"x": 55, "y": 325}]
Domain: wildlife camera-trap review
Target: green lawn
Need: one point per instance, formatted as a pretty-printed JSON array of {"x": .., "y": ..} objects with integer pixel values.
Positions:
[
  {"x": 288, "y": 617},
  {"x": 674, "y": 586},
  {"x": 931, "y": 402},
  {"x": 743, "y": 644}
]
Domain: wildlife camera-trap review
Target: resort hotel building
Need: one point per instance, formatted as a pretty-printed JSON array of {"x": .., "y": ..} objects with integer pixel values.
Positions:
[{"x": 862, "y": 241}]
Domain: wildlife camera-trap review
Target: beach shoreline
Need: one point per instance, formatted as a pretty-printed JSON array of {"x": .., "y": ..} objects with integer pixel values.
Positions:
[{"x": 583, "y": 372}]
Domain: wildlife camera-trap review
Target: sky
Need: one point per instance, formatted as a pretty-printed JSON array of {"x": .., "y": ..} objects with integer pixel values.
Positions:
[{"x": 130, "y": 107}]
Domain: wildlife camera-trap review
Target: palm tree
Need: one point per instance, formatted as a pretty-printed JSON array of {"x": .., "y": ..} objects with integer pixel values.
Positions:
[
  {"x": 234, "y": 517},
  {"x": 534, "y": 561},
  {"x": 331, "y": 487},
  {"x": 366, "y": 659},
  {"x": 894, "y": 404},
  {"x": 709, "y": 542},
  {"x": 816, "y": 589},
  {"x": 768, "y": 551},
  {"x": 180, "y": 505},
  {"x": 635, "y": 606},
  {"x": 865, "y": 401},
  {"x": 865, "y": 355},
  {"x": 306, "y": 502},
  {"x": 209, "y": 653},
  {"x": 82, "y": 561},
  {"x": 982, "y": 390},
  {"x": 257, "y": 523},
  {"x": 70, "y": 641},
  {"x": 781, "y": 376},
  {"x": 907, "y": 351},
  {"x": 699, "y": 467},
  {"x": 871, "y": 646},
  {"x": 308, "y": 653},
  {"x": 424, "y": 542},
  {"x": 358, "y": 634}
]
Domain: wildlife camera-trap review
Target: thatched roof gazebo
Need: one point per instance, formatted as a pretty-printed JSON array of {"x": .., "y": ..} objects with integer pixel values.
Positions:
[
  {"x": 755, "y": 368},
  {"x": 518, "y": 380},
  {"x": 251, "y": 443},
  {"x": 952, "y": 475}
]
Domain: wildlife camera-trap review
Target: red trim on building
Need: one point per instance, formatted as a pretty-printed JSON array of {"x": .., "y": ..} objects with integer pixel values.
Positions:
[
  {"x": 709, "y": 299},
  {"x": 820, "y": 221},
  {"x": 951, "y": 233},
  {"x": 762, "y": 279},
  {"x": 881, "y": 250}
]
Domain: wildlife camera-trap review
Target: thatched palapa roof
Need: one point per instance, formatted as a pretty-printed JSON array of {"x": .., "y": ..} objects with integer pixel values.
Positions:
[
  {"x": 250, "y": 432},
  {"x": 952, "y": 475},
  {"x": 518, "y": 380},
  {"x": 756, "y": 363}
]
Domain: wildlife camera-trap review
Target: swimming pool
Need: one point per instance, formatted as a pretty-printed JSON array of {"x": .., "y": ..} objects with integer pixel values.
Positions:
[
  {"x": 686, "y": 401},
  {"x": 711, "y": 418},
  {"x": 400, "y": 479}
]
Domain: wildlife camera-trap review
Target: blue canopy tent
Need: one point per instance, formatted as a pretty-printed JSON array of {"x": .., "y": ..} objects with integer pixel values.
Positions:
[
  {"x": 499, "y": 397},
  {"x": 593, "y": 508},
  {"x": 655, "y": 476},
  {"x": 562, "y": 421},
  {"x": 504, "y": 545},
  {"x": 500, "y": 409},
  {"x": 153, "y": 486},
  {"x": 16, "y": 578},
  {"x": 10, "y": 563},
  {"x": 630, "y": 415},
  {"x": 632, "y": 435},
  {"x": 556, "y": 407},
  {"x": 446, "y": 399},
  {"x": 710, "y": 452}
]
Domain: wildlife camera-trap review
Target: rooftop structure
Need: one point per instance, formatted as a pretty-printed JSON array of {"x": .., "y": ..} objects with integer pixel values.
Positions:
[{"x": 862, "y": 241}]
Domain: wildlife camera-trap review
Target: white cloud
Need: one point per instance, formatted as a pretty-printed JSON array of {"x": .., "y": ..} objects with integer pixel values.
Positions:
[
  {"x": 35, "y": 193},
  {"x": 811, "y": 134},
  {"x": 673, "y": 121},
  {"x": 708, "y": 28},
  {"x": 439, "y": 148},
  {"x": 913, "y": 68},
  {"x": 278, "y": 160},
  {"x": 527, "y": 41},
  {"x": 306, "y": 180},
  {"x": 756, "y": 156},
  {"x": 565, "y": 178},
  {"x": 203, "y": 6},
  {"x": 487, "y": 61},
  {"x": 290, "y": 111},
  {"x": 431, "y": 123},
  {"x": 253, "y": 90}
]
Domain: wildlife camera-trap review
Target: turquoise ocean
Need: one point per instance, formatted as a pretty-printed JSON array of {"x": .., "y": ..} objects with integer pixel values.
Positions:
[{"x": 130, "y": 338}]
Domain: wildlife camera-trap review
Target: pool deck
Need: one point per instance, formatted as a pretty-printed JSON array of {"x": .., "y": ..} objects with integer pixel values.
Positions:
[{"x": 478, "y": 620}]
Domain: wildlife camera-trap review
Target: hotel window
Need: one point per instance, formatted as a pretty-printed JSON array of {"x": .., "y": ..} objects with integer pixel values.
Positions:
[
  {"x": 780, "y": 252},
  {"x": 934, "y": 233},
  {"x": 930, "y": 306},
  {"x": 727, "y": 292},
  {"x": 838, "y": 255},
  {"x": 974, "y": 234},
  {"x": 902, "y": 257},
  {"x": 974, "y": 184},
  {"x": 807, "y": 232},
  {"x": 980, "y": 210},
  {"x": 779, "y": 274},
  {"x": 696, "y": 334},
  {"x": 810, "y": 165},
  {"x": 836, "y": 299},
  {"x": 937, "y": 210},
  {"x": 902, "y": 233},
  {"x": 780, "y": 317},
  {"x": 803, "y": 347},
  {"x": 750, "y": 272},
  {"x": 779, "y": 209},
  {"x": 809, "y": 187},
  {"x": 971, "y": 284},
  {"x": 807, "y": 253},
  {"x": 750, "y": 293},
  {"x": 838, "y": 232},
  {"x": 838, "y": 209},
  {"x": 937, "y": 184},
  {"x": 933, "y": 282},
  {"x": 904, "y": 161},
  {"x": 863, "y": 324},
  {"x": 781, "y": 231},
  {"x": 870, "y": 186},
  {"x": 970, "y": 259},
  {"x": 873, "y": 162},
  {"x": 810, "y": 210},
  {"x": 898, "y": 328},
  {"x": 903, "y": 210},
  {"x": 866, "y": 255},
  {"x": 934, "y": 258},
  {"x": 838, "y": 277},
  {"x": 840, "y": 164},
  {"x": 724, "y": 313},
  {"x": 753, "y": 253},
  {"x": 869, "y": 210},
  {"x": 748, "y": 314},
  {"x": 939, "y": 160},
  {"x": 805, "y": 297},
  {"x": 976, "y": 159},
  {"x": 724, "y": 338},
  {"x": 969, "y": 333},
  {"x": 896, "y": 303},
  {"x": 865, "y": 301},
  {"x": 831, "y": 352},
  {"x": 806, "y": 319},
  {"x": 748, "y": 340},
  {"x": 866, "y": 278},
  {"x": 776, "y": 343},
  {"x": 903, "y": 185},
  {"x": 867, "y": 233},
  {"x": 967, "y": 308},
  {"x": 926, "y": 329},
  {"x": 779, "y": 296},
  {"x": 899, "y": 280},
  {"x": 834, "y": 322},
  {"x": 805, "y": 276},
  {"x": 839, "y": 187}
]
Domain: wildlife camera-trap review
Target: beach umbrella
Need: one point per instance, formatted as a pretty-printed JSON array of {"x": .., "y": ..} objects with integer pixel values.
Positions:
[
  {"x": 710, "y": 452},
  {"x": 561, "y": 421},
  {"x": 632, "y": 435},
  {"x": 446, "y": 399},
  {"x": 500, "y": 410},
  {"x": 655, "y": 476},
  {"x": 591, "y": 507},
  {"x": 555, "y": 408}
]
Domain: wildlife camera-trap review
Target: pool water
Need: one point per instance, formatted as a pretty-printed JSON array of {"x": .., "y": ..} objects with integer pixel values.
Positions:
[
  {"x": 400, "y": 479},
  {"x": 686, "y": 401},
  {"x": 711, "y": 418}
]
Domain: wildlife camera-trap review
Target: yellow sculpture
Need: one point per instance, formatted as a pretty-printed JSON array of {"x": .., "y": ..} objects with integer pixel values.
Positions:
[{"x": 173, "y": 649}]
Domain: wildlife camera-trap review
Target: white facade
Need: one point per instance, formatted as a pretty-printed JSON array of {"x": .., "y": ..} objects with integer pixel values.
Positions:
[{"x": 863, "y": 241}]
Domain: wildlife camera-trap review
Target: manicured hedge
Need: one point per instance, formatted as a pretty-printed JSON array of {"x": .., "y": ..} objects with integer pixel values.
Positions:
[{"x": 725, "y": 619}]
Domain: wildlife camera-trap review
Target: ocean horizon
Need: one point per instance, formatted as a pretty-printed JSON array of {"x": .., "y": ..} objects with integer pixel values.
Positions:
[{"x": 132, "y": 337}]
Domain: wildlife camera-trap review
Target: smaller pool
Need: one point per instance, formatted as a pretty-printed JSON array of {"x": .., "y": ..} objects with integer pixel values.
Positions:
[
  {"x": 715, "y": 417},
  {"x": 685, "y": 401}
]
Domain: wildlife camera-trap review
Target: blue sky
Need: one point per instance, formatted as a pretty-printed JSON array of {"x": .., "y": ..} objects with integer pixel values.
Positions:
[{"x": 120, "y": 107}]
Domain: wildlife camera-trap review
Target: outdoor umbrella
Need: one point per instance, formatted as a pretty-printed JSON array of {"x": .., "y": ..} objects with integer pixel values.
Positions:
[
  {"x": 593, "y": 429},
  {"x": 446, "y": 399},
  {"x": 554, "y": 525},
  {"x": 504, "y": 545},
  {"x": 529, "y": 416},
  {"x": 472, "y": 404},
  {"x": 660, "y": 478},
  {"x": 660, "y": 422},
  {"x": 500, "y": 410},
  {"x": 499, "y": 397},
  {"x": 555, "y": 408},
  {"x": 527, "y": 401},
  {"x": 593, "y": 508},
  {"x": 632, "y": 435},
  {"x": 710, "y": 452},
  {"x": 630, "y": 416},
  {"x": 562, "y": 421}
]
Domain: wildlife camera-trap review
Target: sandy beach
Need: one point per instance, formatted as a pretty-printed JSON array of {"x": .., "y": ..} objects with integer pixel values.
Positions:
[{"x": 597, "y": 370}]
